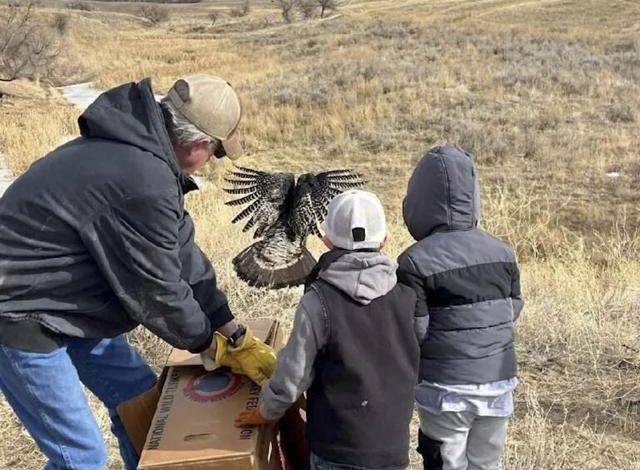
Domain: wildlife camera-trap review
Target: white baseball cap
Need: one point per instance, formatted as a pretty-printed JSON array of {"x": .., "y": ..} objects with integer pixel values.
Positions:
[{"x": 355, "y": 220}]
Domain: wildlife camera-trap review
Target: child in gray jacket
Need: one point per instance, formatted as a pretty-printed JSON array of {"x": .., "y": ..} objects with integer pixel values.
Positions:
[
  {"x": 468, "y": 288},
  {"x": 353, "y": 348}
]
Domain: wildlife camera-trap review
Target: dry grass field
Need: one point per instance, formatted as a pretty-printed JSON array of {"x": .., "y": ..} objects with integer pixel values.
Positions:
[{"x": 545, "y": 94}]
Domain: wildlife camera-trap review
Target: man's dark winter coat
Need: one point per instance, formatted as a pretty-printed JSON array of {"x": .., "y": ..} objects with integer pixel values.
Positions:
[{"x": 94, "y": 237}]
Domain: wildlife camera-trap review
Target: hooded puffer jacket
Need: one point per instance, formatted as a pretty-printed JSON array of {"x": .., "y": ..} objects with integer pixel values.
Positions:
[{"x": 466, "y": 280}]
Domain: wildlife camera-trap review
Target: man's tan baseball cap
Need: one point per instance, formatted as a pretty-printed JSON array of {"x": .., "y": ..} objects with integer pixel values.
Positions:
[{"x": 210, "y": 103}]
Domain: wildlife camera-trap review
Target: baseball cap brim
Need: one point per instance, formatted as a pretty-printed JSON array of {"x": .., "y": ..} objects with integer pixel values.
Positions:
[{"x": 231, "y": 148}]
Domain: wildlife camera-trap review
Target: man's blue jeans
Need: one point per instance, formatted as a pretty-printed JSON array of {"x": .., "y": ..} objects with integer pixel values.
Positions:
[{"x": 44, "y": 390}]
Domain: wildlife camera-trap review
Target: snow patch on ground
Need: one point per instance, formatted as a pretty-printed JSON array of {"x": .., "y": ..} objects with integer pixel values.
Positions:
[{"x": 80, "y": 95}]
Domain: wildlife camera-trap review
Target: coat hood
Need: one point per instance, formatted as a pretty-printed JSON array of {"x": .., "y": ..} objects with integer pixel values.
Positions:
[
  {"x": 363, "y": 276},
  {"x": 130, "y": 114},
  {"x": 443, "y": 194}
]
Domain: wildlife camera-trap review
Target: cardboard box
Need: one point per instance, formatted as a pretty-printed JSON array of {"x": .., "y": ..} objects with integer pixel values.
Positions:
[{"x": 187, "y": 419}]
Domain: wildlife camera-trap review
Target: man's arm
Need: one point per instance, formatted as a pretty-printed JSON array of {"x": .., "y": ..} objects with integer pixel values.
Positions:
[
  {"x": 294, "y": 372},
  {"x": 136, "y": 246},
  {"x": 197, "y": 271},
  {"x": 408, "y": 275}
]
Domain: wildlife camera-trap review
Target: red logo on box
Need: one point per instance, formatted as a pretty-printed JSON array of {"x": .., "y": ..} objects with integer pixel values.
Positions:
[{"x": 213, "y": 386}]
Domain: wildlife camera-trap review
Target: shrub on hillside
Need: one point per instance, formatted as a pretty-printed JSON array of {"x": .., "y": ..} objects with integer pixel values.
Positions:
[
  {"x": 213, "y": 17},
  {"x": 154, "y": 1},
  {"x": 286, "y": 8},
  {"x": 307, "y": 8},
  {"x": 241, "y": 11},
  {"x": 60, "y": 23},
  {"x": 30, "y": 46},
  {"x": 154, "y": 14},
  {"x": 327, "y": 5},
  {"x": 621, "y": 113},
  {"x": 79, "y": 5}
]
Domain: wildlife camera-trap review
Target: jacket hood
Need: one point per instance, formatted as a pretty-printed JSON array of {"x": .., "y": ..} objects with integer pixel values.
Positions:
[
  {"x": 363, "y": 276},
  {"x": 130, "y": 114},
  {"x": 443, "y": 194}
]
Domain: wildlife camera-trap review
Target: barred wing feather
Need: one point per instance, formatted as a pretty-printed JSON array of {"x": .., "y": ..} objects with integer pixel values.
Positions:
[
  {"x": 265, "y": 194},
  {"x": 313, "y": 193}
]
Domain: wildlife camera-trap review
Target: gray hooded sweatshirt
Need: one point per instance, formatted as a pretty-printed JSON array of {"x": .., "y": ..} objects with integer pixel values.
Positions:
[{"x": 364, "y": 277}]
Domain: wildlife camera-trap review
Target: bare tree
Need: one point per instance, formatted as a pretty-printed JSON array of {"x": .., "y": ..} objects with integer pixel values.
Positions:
[
  {"x": 307, "y": 8},
  {"x": 286, "y": 7},
  {"x": 327, "y": 5},
  {"x": 245, "y": 8},
  {"x": 154, "y": 14},
  {"x": 29, "y": 48},
  {"x": 60, "y": 23},
  {"x": 213, "y": 17}
]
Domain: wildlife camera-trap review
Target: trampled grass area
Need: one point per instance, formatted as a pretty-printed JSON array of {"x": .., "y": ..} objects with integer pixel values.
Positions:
[{"x": 545, "y": 94}]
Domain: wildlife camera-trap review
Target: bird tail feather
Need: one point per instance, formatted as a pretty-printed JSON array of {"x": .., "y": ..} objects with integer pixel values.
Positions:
[{"x": 249, "y": 268}]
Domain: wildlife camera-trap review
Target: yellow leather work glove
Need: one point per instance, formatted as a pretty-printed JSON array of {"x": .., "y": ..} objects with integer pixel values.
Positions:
[{"x": 252, "y": 358}]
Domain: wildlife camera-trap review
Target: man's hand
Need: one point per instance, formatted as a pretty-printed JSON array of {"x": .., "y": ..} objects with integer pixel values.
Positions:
[
  {"x": 252, "y": 357},
  {"x": 208, "y": 357},
  {"x": 251, "y": 418}
]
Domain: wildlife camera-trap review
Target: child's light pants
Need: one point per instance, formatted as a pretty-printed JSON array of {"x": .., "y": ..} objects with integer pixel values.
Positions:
[{"x": 461, "y": 441}]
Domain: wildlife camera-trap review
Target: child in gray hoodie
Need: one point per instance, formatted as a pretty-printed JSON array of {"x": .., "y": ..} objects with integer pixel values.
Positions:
[{"x": 353, "y": 348}]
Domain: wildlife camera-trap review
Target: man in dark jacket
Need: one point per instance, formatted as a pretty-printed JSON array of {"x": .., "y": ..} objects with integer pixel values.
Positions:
[
  {"x": 468, "y": 288},
  {"x": 94, "y": 240}
]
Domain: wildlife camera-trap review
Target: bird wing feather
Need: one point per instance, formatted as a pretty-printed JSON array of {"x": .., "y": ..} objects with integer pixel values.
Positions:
[
  {"x": 313, "y": 193},
  {"x": 265, "y": 193}
]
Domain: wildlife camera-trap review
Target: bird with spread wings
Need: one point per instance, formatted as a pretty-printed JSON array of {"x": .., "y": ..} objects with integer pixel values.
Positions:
[{"x": 283, "y": 212}]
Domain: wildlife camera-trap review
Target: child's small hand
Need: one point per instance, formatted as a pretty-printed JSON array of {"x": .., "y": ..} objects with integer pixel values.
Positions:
[{"x": 251, "y": 418}]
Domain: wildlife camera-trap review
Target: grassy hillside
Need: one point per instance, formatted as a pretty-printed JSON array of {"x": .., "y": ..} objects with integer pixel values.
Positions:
[{"x": 545, "y": 94}]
